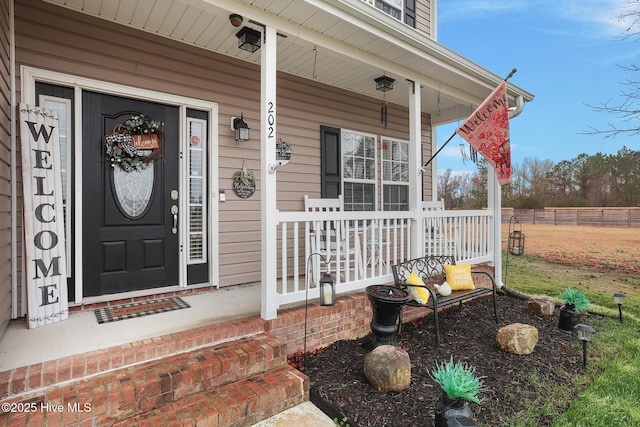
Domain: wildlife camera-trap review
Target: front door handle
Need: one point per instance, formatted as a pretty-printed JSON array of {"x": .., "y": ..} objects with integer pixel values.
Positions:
[{"x": 174, "y": 212}]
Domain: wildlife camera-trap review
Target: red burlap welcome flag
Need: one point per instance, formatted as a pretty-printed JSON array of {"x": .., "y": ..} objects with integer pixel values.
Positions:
[{"x": 487, "y": 130}]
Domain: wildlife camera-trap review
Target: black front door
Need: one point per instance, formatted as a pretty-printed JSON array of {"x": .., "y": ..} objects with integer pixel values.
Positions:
[{"x": 129, "y": 240}]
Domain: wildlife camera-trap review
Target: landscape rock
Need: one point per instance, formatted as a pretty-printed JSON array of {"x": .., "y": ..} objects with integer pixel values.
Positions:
[
  {"x": 517, "y": 338},
  {"x": 388, "y": 368},
  {"x": 541, "y": 306}
]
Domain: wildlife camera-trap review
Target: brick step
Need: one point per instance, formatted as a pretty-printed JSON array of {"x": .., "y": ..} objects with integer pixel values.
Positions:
[
  {"x": 238, "y": 404},
  {"x": 26, "y": 379},
  {"x": 122, "y": 393}
]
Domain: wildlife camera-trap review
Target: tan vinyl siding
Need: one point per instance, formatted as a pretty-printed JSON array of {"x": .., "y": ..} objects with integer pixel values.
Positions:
[
  {"x": 303, "y": 107},
  {"x": 5, "y": 168},
  {"x": 423, "y": 17},
  {"x": 54, "y": 38}
]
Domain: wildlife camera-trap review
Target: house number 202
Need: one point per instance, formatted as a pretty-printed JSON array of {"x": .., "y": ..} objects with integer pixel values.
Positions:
[{"x": 271, "y": 119}]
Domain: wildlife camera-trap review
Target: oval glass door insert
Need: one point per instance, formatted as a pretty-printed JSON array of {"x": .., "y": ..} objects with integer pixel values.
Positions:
[{"x": 134, "y": 189}]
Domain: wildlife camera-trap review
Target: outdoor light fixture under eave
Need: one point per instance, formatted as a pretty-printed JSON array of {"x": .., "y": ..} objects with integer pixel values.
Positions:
[
  {"x": 584, "y": 334},
  {"x": 249, "y": 39},
  {"x": 384, "y": 83},
  {"x": 240, "y": 127},
  {"x": 618, "y": 298}
]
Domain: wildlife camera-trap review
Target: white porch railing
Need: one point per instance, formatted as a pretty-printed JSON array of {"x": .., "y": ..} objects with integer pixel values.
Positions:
[
  {"x": 466, "y": 235},
  {"x": 360, "y": 247}
]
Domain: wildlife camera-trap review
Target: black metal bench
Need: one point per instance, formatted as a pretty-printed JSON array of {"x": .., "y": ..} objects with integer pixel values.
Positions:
[{"x": 430, "y": 270}]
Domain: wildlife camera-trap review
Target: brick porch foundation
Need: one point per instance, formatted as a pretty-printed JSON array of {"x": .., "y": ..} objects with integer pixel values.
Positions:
[{"x": 229, "y": 373}]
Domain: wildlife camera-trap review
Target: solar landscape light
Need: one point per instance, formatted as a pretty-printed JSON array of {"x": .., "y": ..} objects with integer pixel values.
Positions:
[
  {"x": 618, "y": 298},
  {"x": 584, "y": 334}
]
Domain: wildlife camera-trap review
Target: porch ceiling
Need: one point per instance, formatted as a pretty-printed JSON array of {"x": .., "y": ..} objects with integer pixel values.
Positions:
[{"x": 342, "y": 43}]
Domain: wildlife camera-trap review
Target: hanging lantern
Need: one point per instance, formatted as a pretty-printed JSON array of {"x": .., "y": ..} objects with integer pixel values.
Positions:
[
  {"x": 327, "y": 290},
  {"x": 516, "y": 241},
  {"x": 384, "y": 83}
]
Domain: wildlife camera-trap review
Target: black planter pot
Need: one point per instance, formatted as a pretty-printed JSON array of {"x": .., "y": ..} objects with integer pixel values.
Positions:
[
  {"x": 569, "y": 318},
  {"x": 386, "y": 303},
  {"x": 453, "y": 412}
]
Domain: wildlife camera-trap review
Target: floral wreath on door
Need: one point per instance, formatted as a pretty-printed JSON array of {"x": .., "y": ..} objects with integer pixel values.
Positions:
[{"x": 134, "y": 143}]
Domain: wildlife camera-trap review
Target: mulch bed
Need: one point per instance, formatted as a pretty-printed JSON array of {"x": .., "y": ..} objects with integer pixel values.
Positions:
[{"x": 468, "y": 334}]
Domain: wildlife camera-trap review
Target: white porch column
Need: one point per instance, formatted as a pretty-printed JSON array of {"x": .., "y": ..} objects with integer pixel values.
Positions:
[
  {"x": 494, "y": 203},
  {"x": 269, "y": 299},
  {"x": 415, "y": 174}
]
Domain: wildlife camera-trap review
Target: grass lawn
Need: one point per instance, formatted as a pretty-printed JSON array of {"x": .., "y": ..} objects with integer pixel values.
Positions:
[{"x": 610, "y": 384}]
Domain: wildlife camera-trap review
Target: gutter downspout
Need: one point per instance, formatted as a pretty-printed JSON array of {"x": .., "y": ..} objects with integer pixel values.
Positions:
[
  {"x": 497, "y": 207},
  {"x": 518, "y": 109}
]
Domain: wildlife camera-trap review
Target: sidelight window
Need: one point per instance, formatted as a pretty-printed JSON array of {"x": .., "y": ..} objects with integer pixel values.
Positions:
[
  {"x": 197, "y": 190},
  {"x": 62, "y": 106}
]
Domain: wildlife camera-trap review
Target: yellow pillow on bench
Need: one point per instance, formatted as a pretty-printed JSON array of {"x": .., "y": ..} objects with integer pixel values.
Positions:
[
  {"x": 420, "y": 295},
  {"x": 459, "y": 277}
]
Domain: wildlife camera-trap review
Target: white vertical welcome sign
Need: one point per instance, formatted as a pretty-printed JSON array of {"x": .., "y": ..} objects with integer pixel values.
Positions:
[{"x": 46, "y": 273}]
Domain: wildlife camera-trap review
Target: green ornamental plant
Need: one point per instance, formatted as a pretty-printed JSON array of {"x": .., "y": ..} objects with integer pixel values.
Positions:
[
  {"x": 141, "y": 125},
  {"x": 458, "y": 380},
  {"x": 244, "y": 176},
  {"x": 575, "y": 298}
]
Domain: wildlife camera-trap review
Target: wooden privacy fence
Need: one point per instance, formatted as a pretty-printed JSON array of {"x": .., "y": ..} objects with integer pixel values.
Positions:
[{"x": 598, "y": 217}]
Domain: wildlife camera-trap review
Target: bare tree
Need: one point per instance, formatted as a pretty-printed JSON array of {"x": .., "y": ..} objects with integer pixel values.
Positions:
[
  {"x": 534, "y": 174},
  {"x": 449, "y": 186},
  {"x": 627, "y": 111}
]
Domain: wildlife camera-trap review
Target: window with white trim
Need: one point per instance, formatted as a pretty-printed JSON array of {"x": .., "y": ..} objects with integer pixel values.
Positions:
[
  {"x": 402, "y": 10},
  {"x": 390, "y": 7},
  {"x": 358, "y": 171},
  {"x": 349, "y": 166},
  {"x": 395, "y": 174}
]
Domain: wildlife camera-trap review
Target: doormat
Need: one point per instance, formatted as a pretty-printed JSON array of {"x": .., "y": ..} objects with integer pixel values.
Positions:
[{"x": 138, "y": 309}]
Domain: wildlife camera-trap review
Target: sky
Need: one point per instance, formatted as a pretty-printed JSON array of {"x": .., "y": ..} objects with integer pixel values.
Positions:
[{"x": 568, "y": 53}]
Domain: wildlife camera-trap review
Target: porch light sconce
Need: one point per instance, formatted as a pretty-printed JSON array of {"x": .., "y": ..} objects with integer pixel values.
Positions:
[
  {"x": 584, "y": 335},
  {"x": 240, "y": 127},
  {"x": 618, "y": 298},
  {"x": 384, "y": 83},
  {"x": 249, "y": 39}
]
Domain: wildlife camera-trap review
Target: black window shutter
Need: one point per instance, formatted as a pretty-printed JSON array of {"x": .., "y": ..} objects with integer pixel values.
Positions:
[
  {"x": 331, "y": 174},
  {"x": 410, "y": 13}
]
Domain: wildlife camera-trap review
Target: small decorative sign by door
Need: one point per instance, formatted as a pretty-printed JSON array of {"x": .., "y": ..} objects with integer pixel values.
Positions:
[
  {"x": 283, "y": 152},
  {"x": 46, "y": 273},
  {"x": 244, "y": 182}
]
